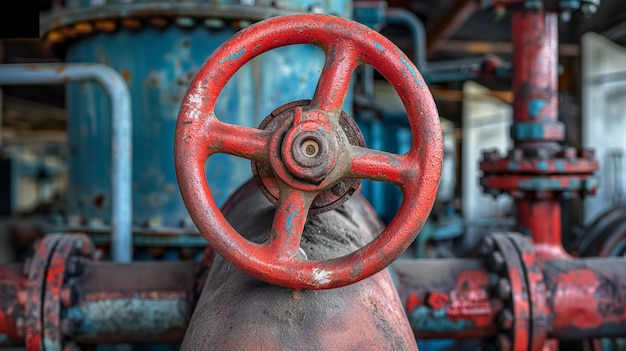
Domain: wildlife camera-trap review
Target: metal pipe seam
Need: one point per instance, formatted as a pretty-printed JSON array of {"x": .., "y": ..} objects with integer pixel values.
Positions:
[{"x": 121, "y": 133}]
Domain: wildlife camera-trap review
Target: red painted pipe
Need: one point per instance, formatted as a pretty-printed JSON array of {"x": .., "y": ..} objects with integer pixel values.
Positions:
[
  {"x": 542, "y": 218},
  {"x": 457, "y": 299},
  {"x": 535, "y": 76},
  {"x": 588, "y": 297}
]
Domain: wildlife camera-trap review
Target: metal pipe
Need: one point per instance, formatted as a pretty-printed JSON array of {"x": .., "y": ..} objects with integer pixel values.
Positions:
[
  {"x": 121, "y": 133},
  {"x": 459, "y": 299},
  {"x": 142, "y": 302},
  {"x": 418, "y": 32},
  {"x": 448, "y": 298},
  {"x": 542, "y": 219},
  {"x": 588, "y": 297},
  {"x": 535, "y": 77}
]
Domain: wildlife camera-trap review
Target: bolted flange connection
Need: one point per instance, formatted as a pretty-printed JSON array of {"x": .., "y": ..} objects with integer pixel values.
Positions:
[{"x": 521, "y": 288}]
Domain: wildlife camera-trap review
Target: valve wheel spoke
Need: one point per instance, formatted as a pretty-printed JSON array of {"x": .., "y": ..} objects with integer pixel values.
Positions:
[
  {"x": 245, "y": 142},
  {"x": 289, "y": 220},
  {"x": 382, "y": 166},
  {"x": 334, "y": 82}
]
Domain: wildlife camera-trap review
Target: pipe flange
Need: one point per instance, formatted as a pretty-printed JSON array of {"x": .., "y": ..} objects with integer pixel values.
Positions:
[
  {"x": 35, "y": 272},
  {"x": 536, "y": 287},
  {"x": 503, "y": 259},
  {"x": 57, "y": 259}
]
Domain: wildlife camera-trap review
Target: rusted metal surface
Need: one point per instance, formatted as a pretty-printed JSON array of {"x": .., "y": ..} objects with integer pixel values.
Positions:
[
  {"x": 535, "y": 76},
  {"x": 447, "y": 298},
  {"x": 64, "y": 295},
  {"x": 588, "y": 297},
  {"x": 533, "y": 270},
  {"x": 514, "y": 296},
  {"x": 68, "y": 247},
  {"x": 45, "y": 278},
  {"x": 326, "y": 200},
  {"x": 199, "y": 135},
  {"x": 82, "y": 18},
  {"x": 239, "y": 312},
  {"x": 505, "y": 261},
  {"x": 35, "y": 288},
  {"x": 543, "y": 218},
  {"x": 537, "y": 172}
]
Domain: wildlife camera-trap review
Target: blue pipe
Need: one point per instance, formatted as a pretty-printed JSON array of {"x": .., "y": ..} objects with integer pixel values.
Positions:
[
  {"x": 415, "y": 25},
  {"x": 121, "y": 132}
]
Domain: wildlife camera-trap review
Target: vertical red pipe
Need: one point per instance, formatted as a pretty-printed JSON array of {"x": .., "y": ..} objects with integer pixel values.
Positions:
[
  {"x": 535, "y": 74},
  {"x": 542, "y": 218},
  {"x": 535, "y": 84}
]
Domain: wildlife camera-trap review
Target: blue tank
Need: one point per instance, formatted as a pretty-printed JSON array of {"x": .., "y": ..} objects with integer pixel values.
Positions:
[{"x": 158, "y": 62}]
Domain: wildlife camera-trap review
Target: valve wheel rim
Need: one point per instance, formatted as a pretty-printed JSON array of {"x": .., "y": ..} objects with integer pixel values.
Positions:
[{"x": 199, "y": 134}]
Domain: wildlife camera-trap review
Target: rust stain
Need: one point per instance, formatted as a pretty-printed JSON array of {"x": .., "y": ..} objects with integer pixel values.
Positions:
[
  {"x": 98, "y": 201},
  {"x": 126, "y": 75}
]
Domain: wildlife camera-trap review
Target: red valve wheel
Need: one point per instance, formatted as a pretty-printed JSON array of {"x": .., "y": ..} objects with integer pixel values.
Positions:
[{"x": 311, "y": 153}]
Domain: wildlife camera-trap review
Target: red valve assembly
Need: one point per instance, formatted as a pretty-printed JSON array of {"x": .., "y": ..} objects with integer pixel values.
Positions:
[{"x": 314, "y": 151}]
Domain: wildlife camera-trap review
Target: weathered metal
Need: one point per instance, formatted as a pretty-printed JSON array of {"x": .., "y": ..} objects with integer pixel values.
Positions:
[
  {"x": 448, "y": 298},
  {"x": 63, "y": 295},
  {"x": 588, "y": 297},
  {"x": 81, "y": 18},
  {"x": 510, "y": 295},
  {"x": 119, "y": 140},
  {"x": 61, "y": 267},
  {"x": 200, "y": 134},
  {"x": 143, "y": 302},
  {"x": 327, "y": 200},
  {"x": 239, "y": 312},
  {"x": 514, "y": 296},
  {"x": 35, "y": 289}
]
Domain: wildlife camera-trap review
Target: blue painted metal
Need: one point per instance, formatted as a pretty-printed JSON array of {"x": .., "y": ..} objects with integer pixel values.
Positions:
[
  {"x": 418, "y": 33},
  {"x": 528, "y": 131},
  {"x": 118, "y": 138},
  {"x": 370, "y": 13},
  {"x": 157, "y": 65}
]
